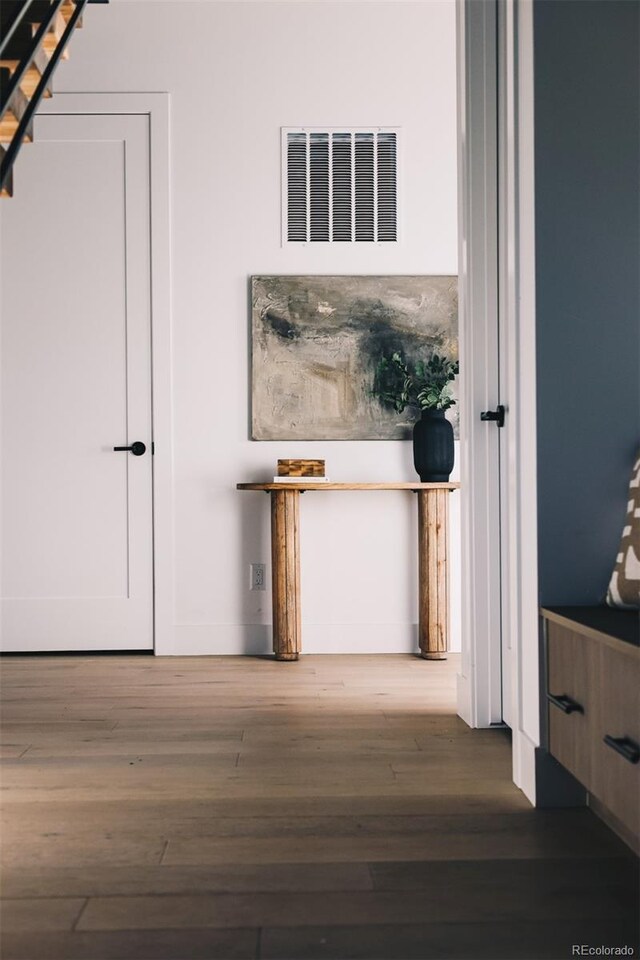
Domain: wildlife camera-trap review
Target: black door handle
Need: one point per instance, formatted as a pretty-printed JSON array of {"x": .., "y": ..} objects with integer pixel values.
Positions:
[
  {"x": 625, "y": 746},
  {"x": 137, "y": 448},
  {"x": 497, "y": 415}
]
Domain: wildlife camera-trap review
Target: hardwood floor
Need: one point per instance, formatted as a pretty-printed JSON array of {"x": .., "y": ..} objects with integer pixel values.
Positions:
[{"x": 188, "y": 808}]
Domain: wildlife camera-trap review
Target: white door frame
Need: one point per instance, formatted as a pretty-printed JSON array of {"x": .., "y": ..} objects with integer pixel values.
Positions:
[
  {"x": 156, "y": 107},
  {"x": 497, "y": 213},
  {"x": 518, "y": 335}
]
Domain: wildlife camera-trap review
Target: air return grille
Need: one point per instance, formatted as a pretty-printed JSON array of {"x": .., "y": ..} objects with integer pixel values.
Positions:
[{"x": 340, "y": 185}]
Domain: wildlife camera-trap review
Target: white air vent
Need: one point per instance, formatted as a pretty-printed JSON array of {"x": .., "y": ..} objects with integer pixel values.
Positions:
[{"x": 340, "y": 185}]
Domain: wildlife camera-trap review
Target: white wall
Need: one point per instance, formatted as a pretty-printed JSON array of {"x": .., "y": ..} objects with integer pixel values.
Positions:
[{"x": 236, "y": 73}]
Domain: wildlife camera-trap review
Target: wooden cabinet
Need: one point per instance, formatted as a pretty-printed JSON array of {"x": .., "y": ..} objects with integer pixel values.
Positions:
[
  {"x": 593, "y": 701},
  {"x": 615, "y": 776},
  {"x": 571, "y": 660}
]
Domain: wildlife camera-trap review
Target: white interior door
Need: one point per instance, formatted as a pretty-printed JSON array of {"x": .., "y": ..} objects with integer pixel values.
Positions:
[
  {"x": 77, "y": 561},
  {"x": 480, "y": 677}
]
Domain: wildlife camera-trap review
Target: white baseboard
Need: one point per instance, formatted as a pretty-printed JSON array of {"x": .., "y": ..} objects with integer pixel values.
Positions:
[
  {"x": 254, "y": 639},
  {"x": 463, "y": 698},
  {"x": 524, "y": 764},
  {"x": 361, "y": 638},
  {"x": 218, "y": 639}
]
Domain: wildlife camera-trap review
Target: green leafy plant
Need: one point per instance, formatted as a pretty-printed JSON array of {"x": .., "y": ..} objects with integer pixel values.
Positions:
[{"x": 425, "y": 384}]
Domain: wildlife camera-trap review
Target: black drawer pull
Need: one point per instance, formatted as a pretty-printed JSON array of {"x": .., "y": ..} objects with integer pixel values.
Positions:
[
  {"x": 625, "y": 746},
  {"x": 565, "y": 703}
]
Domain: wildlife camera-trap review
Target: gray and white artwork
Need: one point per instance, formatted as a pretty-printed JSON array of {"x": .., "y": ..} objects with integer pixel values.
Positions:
[{"x": 318, "y": 340}]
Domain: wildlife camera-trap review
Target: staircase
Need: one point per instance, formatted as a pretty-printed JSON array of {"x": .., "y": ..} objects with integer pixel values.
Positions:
[{"x": 33, "y": 37}]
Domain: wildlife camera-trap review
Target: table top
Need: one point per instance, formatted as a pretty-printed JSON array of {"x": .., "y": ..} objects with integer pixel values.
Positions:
[{"x": 289, "y": 485}]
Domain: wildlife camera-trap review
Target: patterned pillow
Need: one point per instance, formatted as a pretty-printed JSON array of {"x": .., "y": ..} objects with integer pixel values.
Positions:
[{"x": 624, "y": 588}]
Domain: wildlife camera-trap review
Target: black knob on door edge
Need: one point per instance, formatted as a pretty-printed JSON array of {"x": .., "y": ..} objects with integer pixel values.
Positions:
[
  {"x": 137, "y": 448},
  {"x": 497, "y": 415}
]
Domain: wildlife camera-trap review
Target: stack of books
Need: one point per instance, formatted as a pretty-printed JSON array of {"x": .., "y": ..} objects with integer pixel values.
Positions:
[{"x": 301, "y": 471}]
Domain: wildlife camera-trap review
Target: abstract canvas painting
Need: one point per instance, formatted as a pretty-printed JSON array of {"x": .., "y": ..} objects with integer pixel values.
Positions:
[{"x": 318, "y": 340}]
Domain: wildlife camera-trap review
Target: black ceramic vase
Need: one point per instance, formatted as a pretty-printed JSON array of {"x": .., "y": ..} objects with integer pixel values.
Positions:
[{"x": 433, "y": 447}]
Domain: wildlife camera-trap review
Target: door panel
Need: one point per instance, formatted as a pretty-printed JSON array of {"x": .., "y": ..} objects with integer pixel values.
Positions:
[
  {"x": 480, "y": 679},
  {"x": 77, "y": 527}
]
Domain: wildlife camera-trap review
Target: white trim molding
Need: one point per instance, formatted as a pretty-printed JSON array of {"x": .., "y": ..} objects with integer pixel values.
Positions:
[
  {"x": 520, "y": 654},
  {"x": 521, "y": 438},
  {"x": 156, "y": 107}
]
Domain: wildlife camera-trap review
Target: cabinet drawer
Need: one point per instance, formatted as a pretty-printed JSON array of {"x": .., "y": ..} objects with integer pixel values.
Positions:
[
  {"x": 572, "y": 665},
  {"x": 615, "y": 778}
]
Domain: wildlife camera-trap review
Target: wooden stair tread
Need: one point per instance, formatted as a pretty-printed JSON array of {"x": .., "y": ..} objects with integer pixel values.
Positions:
[
  {"x": 54, "y": 35},
  {"x": 16, "y": 109},
  {"x": 18, "y": 104},
  {"x": 30, "y": 81},
  {"x": 67, "y": 9},
  {"x": 31, "y": 77},
  {"x": 8, "y": 128},
  {"x": 38, "y": 62}
]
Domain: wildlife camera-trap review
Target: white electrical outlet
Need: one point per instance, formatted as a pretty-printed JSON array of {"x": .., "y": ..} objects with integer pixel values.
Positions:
[{"x": 257, "y": 576}]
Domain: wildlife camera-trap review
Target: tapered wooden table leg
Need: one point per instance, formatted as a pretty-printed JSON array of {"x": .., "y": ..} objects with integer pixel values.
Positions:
[
  {"x": 285, "y": 560},
  {"x": 433, "y": 578}
]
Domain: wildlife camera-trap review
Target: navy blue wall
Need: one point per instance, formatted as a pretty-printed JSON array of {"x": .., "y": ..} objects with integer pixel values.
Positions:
[{"x": 587, "y": 169}]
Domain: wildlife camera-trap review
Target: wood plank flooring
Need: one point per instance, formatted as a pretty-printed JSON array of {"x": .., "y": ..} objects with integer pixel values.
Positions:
[{"x": 333, "y": 808}]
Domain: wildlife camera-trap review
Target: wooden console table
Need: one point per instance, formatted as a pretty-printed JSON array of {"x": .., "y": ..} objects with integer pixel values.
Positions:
[{"x": 433, "y": 536}]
